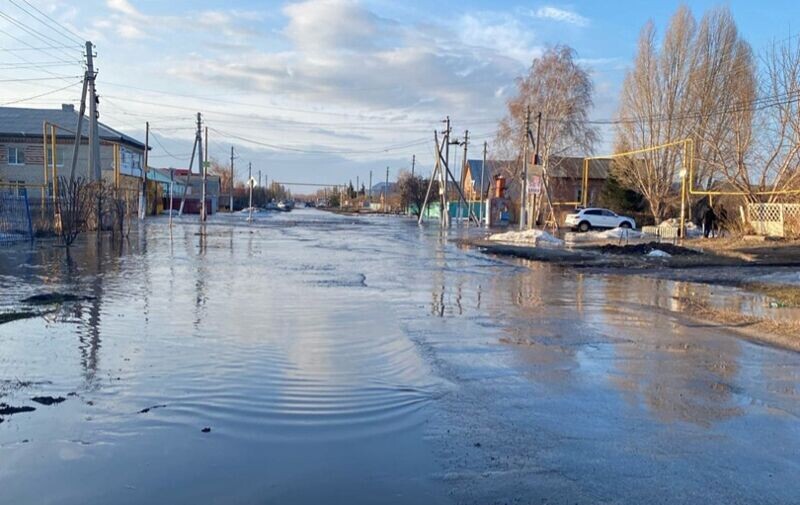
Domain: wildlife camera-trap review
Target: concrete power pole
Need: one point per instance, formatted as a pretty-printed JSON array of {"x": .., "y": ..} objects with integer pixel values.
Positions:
[
  {"x": 524, "y": 194},
  {"x": 81, "y": 113},
  {"x": 94, "y": 138},
  {"x": 386, "y": 191},
  {"x": 203, "y": 168},
  {"x": 413, "y": 163},
  {"x": 231, "y": 183},
  {"x": 461, "y": 176},
  {"x": 370, "y": 186},
  {"x": 443, "y": 176},
  {"x": 483, "y": 182},
  {"x": 143, "y": 199}
]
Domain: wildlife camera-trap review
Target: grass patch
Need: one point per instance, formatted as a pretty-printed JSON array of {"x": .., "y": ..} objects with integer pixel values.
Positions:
[{"x": 785, "y": 295}]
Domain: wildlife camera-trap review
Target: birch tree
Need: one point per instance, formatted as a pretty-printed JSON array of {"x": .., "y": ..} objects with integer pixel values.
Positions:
[{"x": 561, "y": 90}]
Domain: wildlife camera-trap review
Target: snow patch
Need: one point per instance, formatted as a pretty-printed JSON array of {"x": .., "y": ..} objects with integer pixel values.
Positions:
[
  {"x": 658, "y": 253},
  {"x": 619, "y": 233},
  {"x": 528, "y": 237}
]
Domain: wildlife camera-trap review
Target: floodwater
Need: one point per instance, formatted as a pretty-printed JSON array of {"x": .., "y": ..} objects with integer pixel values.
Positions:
[{"x": 334, "y": 359}]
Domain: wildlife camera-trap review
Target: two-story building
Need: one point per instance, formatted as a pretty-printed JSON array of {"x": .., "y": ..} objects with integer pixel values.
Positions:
[{"x": 28, "y": 159}]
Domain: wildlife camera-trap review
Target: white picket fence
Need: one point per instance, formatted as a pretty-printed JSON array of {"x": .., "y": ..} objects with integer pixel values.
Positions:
[{"x": 770, "y": 219}]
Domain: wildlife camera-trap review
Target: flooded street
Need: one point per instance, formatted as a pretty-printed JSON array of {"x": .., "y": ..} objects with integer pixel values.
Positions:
[{"x": 333, "y": 359}]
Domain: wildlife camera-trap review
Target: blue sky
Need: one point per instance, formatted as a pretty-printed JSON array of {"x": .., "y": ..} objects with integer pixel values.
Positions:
[{"x": 325, "y": 90}]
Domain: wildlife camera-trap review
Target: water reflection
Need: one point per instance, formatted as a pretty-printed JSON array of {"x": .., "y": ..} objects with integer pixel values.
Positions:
[{"x": 315, "y": 351}]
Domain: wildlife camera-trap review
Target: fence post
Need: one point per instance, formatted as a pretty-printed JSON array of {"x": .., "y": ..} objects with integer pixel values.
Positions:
[
  {"x": 782, "y": 220},
  {"x": 28, "y": 213}
]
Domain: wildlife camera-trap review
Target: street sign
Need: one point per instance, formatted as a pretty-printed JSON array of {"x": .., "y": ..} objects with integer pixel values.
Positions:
[{"x": 535, "y": 186}]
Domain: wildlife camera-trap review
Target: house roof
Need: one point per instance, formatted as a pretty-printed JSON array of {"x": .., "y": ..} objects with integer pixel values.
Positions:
[
  {"x": 493, "y": 167},
  {"x": 572, "y": 168},
  {"x": 27, "y": 123}
]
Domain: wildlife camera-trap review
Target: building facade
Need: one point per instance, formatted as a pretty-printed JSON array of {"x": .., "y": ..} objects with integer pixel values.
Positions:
[{"x": 36, "y": 149}]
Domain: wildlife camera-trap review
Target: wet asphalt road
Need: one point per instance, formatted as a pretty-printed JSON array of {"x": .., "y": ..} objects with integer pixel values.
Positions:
[{"x": 343, "y": 360}]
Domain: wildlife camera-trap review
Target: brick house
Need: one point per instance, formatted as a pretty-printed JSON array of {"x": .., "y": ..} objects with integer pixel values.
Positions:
[{"x": 25, "y": 162}]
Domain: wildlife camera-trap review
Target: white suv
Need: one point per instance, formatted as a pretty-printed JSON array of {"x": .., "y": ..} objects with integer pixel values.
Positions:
[{"x": 586, "y": 219}]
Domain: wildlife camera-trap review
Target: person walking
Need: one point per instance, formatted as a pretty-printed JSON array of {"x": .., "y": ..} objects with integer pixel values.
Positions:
[{"x": 709, "y": 218}]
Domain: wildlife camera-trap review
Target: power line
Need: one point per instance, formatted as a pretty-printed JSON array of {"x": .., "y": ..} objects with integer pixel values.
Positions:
[
  {"x": 74, "y": 35},
  {"x": 47, "y": 40},
  {"x": 320, "y": 151},
  {"x": 42, "y": 78},
  {"x": 33, "y": 48},
  {"x": 42, "y": 94}
]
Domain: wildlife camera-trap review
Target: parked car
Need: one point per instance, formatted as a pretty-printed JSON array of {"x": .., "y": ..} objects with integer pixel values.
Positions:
[{"x": 586, "y": 219}]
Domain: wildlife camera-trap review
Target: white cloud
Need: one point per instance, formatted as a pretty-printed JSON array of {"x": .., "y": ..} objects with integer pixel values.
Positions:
[
  {"x": 123, "y": 7},
  {"x": 339, "y": 51},
  {"x": 502, "y": 34},
  {"x": 561, "y": 15}
]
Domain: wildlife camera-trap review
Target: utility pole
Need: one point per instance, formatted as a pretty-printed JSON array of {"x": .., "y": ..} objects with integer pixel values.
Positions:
[
  {"x": 231, "y": 184},
  {"x": 523, "y": 208},
  {"x": 461, "y": 175},
  {"x": 536, "y": 161},
  {"x": 203, "y": 167},
  {"x": 443, "y": 176},
  {"x": 370, "y": 186},
  {"x": 413, "y": 163},
  {"x": 250, "y": 185},
  {"x": 483, "y": 179},
  {"x": 143, "y": 199},
  {"x": 94, "y": 137},
  {"x": 386, "y": 191},
  {"x": 81, "y": 113}
]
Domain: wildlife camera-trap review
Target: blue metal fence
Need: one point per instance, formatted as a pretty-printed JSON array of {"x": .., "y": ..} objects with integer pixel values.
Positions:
[{"x": 15, "y": 216}]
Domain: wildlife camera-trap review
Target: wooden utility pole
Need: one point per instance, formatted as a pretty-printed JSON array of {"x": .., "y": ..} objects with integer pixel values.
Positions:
[
  {"x": 231, "y": 183},
  {"x": 523, "y": 208},
  {"x": 143, "y": 199},
  {"x": 370, "y": 186}
]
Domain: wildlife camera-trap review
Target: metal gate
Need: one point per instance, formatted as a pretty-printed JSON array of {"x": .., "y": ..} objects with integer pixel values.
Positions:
[{"x": 15, "y": 216}]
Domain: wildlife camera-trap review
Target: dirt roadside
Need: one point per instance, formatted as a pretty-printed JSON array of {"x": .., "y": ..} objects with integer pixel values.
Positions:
[{"x": 760, "y": 268}]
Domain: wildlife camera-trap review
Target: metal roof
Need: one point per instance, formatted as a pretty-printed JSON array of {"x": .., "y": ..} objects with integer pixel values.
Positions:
[{"x": 27, "y": 123}]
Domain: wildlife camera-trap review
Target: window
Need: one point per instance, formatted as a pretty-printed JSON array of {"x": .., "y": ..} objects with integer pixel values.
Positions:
[
  {"x": 592, "y": 212},
  {"x": 16, "y": 156},
  {"x": 62, "y": 153},
  {"x": 608, "y": 213}
]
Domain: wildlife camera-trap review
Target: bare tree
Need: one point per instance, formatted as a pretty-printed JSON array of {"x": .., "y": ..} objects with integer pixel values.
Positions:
[
  {"x": 723, "y": 86},
  {"x": 654, "y": 107},
  {"x": 561, "y": 90},
  {"x": 223, "y": 172},
  {"x": 75, "y": 199},
  {"x": 412, "y": 189},
  {"x": 777, "y": 120}
]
